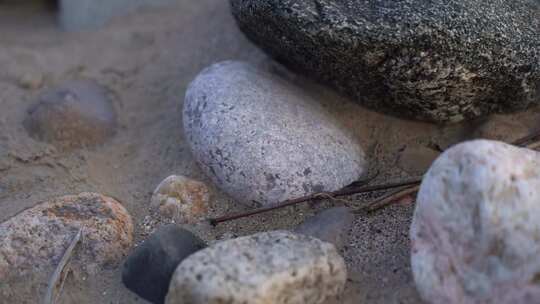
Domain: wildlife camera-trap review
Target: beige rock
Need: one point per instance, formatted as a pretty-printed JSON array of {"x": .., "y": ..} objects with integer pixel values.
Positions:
[
  {"x": 476, "y": 229},
  {"x": 275, "y": 267},
  {"x": 181, "y": 199},
  {"x": 33, "y": 241}
]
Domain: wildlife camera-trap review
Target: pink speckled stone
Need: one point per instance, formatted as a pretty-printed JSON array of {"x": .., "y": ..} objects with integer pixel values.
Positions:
[
  {"x": 476, "y": 229},
  {"x": 35, "y": 240}
]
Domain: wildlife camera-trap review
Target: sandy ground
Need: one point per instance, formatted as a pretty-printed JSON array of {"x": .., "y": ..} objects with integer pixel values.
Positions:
[{"x": 148, "y": 59}]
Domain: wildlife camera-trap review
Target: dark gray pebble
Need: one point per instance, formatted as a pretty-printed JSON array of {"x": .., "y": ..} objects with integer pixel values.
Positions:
[{"x": 149, "y": 268}]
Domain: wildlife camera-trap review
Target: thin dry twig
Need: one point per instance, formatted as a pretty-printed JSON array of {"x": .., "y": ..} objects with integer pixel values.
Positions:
[
  {"x": 527, "y": 140},
  {"x": 530, "y": 141},
  {"x": 335, "y": 199},
  {"x": 57, "y": 275},
  {"x": 343, "y": 192},
  {"x": 387, "y": 199}
]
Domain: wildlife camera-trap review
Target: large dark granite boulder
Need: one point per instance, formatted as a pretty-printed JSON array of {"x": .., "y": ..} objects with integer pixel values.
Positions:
[{"x": 437, "y": 60}]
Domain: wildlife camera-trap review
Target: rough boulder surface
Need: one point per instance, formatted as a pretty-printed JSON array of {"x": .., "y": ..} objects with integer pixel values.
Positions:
[
  {"x": 262, "y": 140},
  {"x": 476, "y": 229},
  {"x": 275, "y": 267},
  {"x": 441, "y": 60}
]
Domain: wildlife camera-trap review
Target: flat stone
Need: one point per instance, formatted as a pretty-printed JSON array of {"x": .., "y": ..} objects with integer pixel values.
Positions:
[
  {"x": 417, "y": 159},
  {"x": 275, "y": 267},
  {"x": 262, "y": 140},
  {"x": 331, "y": 225},
  {"x": 149, "y": 268},
  {"x": 442, "y": 60},
  {"x": 72, "y": 115},
  {"x": 33, "y": 241},
  {"x": 475, "y": 233},
  {"x": 182, "y": 199}
]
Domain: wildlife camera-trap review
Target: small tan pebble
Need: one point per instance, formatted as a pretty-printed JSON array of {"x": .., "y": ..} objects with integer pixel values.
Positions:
[
  {"x": 181, "y": 199},
  {"x": 31, "y": 80}
]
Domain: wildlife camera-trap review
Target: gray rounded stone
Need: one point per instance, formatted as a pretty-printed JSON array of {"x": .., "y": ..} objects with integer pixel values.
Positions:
[
  {"x": 277, "y": 267},
  {"x": 331, "y": 225},
  {"x": 262, "y": 140},
  {"x": 475, "y": 234},
  {"x": 441, "y": 60},
  {"x": 72, "y": 115}
]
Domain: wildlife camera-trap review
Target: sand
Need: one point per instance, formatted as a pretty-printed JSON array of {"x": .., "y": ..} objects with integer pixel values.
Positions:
[{"x": 148, "y": 58}]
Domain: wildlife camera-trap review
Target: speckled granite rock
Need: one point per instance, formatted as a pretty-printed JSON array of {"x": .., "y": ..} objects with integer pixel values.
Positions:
[
  {"x": 275, "y": 267},
  {"x": 476, "y": 230},
  {"x": 33, "y": 242},
  {"x": 262, "y": 140},
  {"x": 72, "y": 115},
  {"x": 331, "y": 225},
  {"x": 36, "y": 238},
  {"x": 442, "y": 60},
  {"x": 182, "y": 199}
]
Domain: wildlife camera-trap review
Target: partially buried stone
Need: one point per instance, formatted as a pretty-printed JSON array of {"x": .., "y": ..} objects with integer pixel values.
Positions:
[
  {"x": 475, "y": 233},
  {"x": 275, "y": 267},
  {"x": 416, "y": 159},
  {"x": 262, "y": 140},
  {"x": 441, "y": 60},
  {"x": 181, "y": 199},
  {"x": 330, "y": 225},
  {"x": 33, "y": 241},
  {"x": 72, "y": 115},
  {"x": 149, "y": 268}
]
